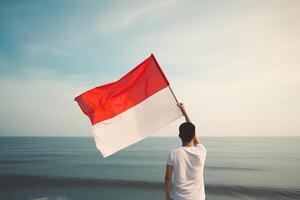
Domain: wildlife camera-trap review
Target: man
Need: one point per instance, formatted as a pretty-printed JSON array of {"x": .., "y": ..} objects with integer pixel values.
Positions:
[{"x": 186, "y": 164}]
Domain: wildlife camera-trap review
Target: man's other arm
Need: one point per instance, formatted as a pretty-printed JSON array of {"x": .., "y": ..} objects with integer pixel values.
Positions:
[{"x": 168, "y": 181}]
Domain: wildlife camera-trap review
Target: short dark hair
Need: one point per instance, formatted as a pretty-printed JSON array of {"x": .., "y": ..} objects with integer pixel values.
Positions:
[{"x": 187, "y": 131}]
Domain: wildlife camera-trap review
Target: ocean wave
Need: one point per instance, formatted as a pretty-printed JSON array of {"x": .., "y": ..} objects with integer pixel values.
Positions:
[
  {"x": 231, "y": 168},
  {"x": 50, "y": 198},
  {"x": 26, "y": 181},
  {"x": 23, "y": 161}
]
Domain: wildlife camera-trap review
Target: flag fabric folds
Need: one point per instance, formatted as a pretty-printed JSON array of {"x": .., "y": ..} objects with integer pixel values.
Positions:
[{"x": 130, "y": 109}]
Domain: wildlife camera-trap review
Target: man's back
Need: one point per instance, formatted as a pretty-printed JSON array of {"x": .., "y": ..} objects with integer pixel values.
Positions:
[{"x": 188, "y": 164}]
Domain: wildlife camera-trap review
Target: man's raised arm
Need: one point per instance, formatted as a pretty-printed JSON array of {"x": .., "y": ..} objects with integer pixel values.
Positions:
[{"x": 196, "y": 140}]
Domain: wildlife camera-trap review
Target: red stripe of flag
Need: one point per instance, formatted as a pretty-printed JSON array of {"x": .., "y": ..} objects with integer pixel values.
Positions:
[{"x": 109, "y": 100}]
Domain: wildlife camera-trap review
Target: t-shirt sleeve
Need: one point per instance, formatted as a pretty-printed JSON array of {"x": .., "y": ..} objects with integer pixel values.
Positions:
[{"x": 169, "y": 159}]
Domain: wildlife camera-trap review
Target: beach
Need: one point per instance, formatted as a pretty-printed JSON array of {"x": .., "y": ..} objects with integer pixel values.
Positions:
[{"x": 67, "y": 168}]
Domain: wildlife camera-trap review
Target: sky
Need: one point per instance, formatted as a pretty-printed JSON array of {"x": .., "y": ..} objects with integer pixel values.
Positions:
[{"x": 235, "y": 64}]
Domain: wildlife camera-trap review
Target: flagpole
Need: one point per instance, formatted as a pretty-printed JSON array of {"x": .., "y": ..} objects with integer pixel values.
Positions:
[{"x": 174, "y": 95}]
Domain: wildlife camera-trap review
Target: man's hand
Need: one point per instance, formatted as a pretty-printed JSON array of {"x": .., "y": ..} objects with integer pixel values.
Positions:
[{"x": 182, "y": 108}]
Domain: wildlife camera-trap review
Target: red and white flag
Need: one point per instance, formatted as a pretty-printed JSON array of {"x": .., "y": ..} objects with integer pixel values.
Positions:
[{"x": 130, "y": 109}]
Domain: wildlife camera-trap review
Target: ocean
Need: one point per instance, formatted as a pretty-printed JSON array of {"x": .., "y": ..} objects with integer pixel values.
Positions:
[{"x": 71, "y": 168}]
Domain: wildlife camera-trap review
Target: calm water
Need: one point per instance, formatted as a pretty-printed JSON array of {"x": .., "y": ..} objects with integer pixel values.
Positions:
[{"x": 72, "y": 168}]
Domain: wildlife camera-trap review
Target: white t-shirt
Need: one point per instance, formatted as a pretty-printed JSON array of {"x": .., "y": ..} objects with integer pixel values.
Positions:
[{"x": 188, "y": 165}]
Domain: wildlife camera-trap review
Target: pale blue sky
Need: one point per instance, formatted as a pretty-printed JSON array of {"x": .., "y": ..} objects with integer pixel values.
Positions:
[{"x": 234, "y": 63}]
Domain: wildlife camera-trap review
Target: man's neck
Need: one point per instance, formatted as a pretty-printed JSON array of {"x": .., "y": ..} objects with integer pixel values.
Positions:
[{"x": 188, "y": 144}]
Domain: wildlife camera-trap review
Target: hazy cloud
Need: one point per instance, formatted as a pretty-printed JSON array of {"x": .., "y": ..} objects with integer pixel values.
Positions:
[
  {"x": 42, "y": 104},
  {"x": 47, "y": 50}
]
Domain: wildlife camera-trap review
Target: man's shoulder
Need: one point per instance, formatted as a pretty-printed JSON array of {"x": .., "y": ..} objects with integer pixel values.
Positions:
[
  {"x": 201, "y": 146},
  {"x": 176, "y": 150},
  {"x": 179, "y": 150}
]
